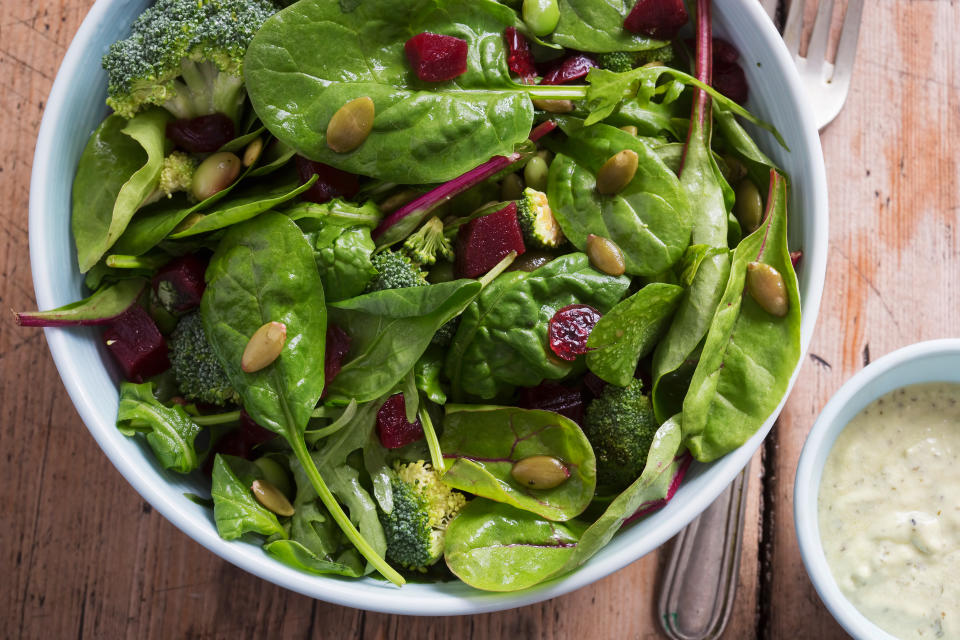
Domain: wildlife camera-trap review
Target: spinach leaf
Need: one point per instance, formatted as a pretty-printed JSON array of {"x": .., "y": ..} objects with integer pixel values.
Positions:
[
  {"x": 299, "y": 556},
  {"x": 749, "y": 355},
  {"x": 629, "y": 331},
  {"x": 343, "y": 257},
  {"x": 119, "y": 168},
  {"x": 502, "y": 338},
  {"x": 427, "y": 374},
  {"x": 497, "y": 547},
  {"x": 484, "y": 444},
  {"x": 235, "y": 510},
  {"x": 263, "y": 271},
  {"x": 648, "y": 219},
  {"x": 649, "y": 117},
  {"x": 169, "y": 430},
  {"x": 102, "y": 307},
  {"x": 597, "y": 26},
  {"x": 390, "y": 330}
]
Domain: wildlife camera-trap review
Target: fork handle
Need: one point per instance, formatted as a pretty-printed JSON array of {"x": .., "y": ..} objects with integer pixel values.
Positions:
[{"x": 700, "y": 582}]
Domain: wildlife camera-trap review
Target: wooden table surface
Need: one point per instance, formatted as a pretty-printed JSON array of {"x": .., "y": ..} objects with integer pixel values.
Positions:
[{"x": 82, "y": 555}]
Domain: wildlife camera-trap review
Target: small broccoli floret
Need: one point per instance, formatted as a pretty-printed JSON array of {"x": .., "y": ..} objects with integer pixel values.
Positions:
[
  {"x": 423, "y": 506},
  {"x": 424, "y": 245},
  {"x": 199, "y": 374},
  {"x": 664, "y": 54},
  {"x": 176, "y": 175},
  {"x": 620, "y": 426},
  {"x": 540, "y": 228},
  {"x": 616, "y": 61},
  {"x": 186, "y": 56},
  {"x": 395, "y": 271}
]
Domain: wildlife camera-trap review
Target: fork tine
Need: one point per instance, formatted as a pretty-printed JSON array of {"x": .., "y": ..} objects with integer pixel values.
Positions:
[
  {"x": 794, "y": 27},
  {"x": 817, "y": 50},
  {"x": 847, "y": 49}
]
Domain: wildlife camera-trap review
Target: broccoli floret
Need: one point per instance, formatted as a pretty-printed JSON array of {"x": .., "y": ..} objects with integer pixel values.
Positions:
[
  {"x": 176, "y": 175},
  {"x": 664, "y": 54},
  {"x": 395, "y": 271},
  {"x": 422, "y": 508},
  {"x": 186, "y": 56},
  {"x": 424, "y": 245},
  {"x": 616, "y": 61},
  {"x": 199, "y": 374},
  {"x": 540, "y": 228},
  {"x": 620, "y": 426}
]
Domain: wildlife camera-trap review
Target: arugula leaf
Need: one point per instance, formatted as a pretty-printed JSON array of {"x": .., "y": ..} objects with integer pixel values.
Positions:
[
  {"x": 235, "y": 510},
  {"x": 597, "y": 26},
  {"x": 299, "y": 556},
  {"x": 169, "y": 430}
]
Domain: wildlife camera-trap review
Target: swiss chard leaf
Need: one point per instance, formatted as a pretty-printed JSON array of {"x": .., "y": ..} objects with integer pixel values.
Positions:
[
  {"x": 648, "y": 219},
  {"x": 597, "y": 26},
  {"x": 749, "y": 354},
  {"x": 235, "y": 510},
  {"x": 502, "y": 337},
  {"x": 102, "y": 307},
  {"x": 629, "y": 331},
  {"x": 484, "y": 444},
  {"x": 169, "y": 430}
]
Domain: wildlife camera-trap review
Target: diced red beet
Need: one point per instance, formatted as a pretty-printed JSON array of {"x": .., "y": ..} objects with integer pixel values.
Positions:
[
  {"x": 594, "y": 383},
  {"x": 660, "y": 19},
  {"x": 572, "y": 68},
  {"x": 724, "y": 52},
  {"x": 485, "y": 241},
  {"x": 135, "y": 342},
  {"x": 392, "y": 426},
  {"x": 202, "y": 134},
  {"x": 180, "y": 283},
  {"x": 519, "y": 55},
  {"x": 436, "y": 57},
  {"x": 331, "y": 183},
  {"x": 337, "y": 346},
  {"x": 795, "y": 257},
  {"x": 569, "y": 329},
  {"x": 554, "y": 396},
  {"x": 730, "y": 80},
  {"x": 240, "y": 442}
]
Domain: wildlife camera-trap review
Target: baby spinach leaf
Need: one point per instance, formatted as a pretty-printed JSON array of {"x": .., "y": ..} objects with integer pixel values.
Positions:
[
  {"x": 597, "y": 26},
  {"x": 502, "y": 338},
  {"x": 298, "y": 556},
  {"x": 427, "y": 374},
  {"x": 629, "y": 331},
  {"x": 648, "y": 219},
  {"x": 102, "y": 307},
  {"x": 390, "y": 330},
  {"x": 169, "y": 430},
  {"x": 749, "y": 354},
  {"x": 497, "y": 547},
  {"x": 484, "y": 444},
  {"x": 235, "y": 510},
  {"x": 119, "y": 168},
  {"x": 343, "y": 257},
  {"x": 649, "y": 117}
]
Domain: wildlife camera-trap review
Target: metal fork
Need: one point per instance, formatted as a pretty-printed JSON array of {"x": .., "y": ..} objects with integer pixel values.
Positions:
[{"x": 700, "y": 581}]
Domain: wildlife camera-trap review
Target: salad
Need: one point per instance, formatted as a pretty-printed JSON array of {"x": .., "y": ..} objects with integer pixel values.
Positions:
[{"x": 433, "y": 288}]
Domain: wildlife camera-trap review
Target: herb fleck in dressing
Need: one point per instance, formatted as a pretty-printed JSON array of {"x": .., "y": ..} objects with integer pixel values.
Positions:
[{"x": 889, "y": 512}]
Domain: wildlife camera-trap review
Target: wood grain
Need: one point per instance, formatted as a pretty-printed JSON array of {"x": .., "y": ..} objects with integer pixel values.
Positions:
[{"x": 82, "y": 555}]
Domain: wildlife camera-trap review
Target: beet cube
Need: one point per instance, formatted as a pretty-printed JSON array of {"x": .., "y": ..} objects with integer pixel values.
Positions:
[
  {"x": 660, "y": 19},
  {"x": 485, "y": 241},
  {"x": 572, "y": 68},
  {"x": 569, "y": 329},
  {"x": 202, "y": 134},
  {"x": 730, "y": 80},
  {"x": 519, "y": 55},
  {"x": 180, "y": 283},
  {"x": 392, "y": 426},
  {"x": 331, "y": 183},
  {"x": 135, "y": 342},
  {"x": 554, "y": 396},
  {"x": 240, "y": 442},
  {"x": 338, "y": 344},
  {"x": 436, "y": 57}
]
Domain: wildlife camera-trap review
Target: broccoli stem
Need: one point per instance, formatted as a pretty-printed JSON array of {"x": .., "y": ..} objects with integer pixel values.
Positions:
[
  {"x": 118, "y": 261},
  {"x": 216, "y": 418}
]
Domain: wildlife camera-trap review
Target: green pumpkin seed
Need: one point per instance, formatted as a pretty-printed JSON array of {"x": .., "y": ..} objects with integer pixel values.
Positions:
[
  {"x": 271, "y": 498},
  {"x": 766, "y": 286},
  {"x": 536, "y": 172},
  {"x": 617, "y": 172},
  {"x": 351, "y": 125},
  {"x": 748, "y": 206},
  {"x": 605, "y": 255},
  {"x": 274, "y": 473},
  {"x": 735, "y": 171},
  {"x": 215, "y": 174},
  {"x": 264, "y": 347},
  {"x": 541, "y": 16},
  {"x": 252, "y": 152},
  {"x": 554, "y": 106},
  {"x": 540, "y": 472},
  {"x": 511, "y": 188},
  {"x": 531, "y": 261},
  {"x": 629, "y": 128},
  {"x": 397, "y": 200}
]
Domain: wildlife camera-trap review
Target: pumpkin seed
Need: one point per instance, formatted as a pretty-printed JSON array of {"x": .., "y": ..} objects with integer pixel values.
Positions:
[
  {"x": 511, "y": 188},
  {"x": 271, "y": 498},
  {"x": 531, "y": 261},
  {"x": 735, "y": 171},
  {"x": 397, "y": 200},
  {"x": 629, "y": 128},
  {"x": 617, "y": 172},
  {"x": 766, "y": 286},
  {"x": 351, "y": 125},
  {"x": 215, "y": 174},
  {"x": 605, "y": 255},
  {"x": 542, "y": 16},
  {"x": 536, "y": 172},
  {"x": 554, "y": 106},
  {"x": 263, "y": 347},
  {"x": 275, "y": 474},
  {"x": 748, "y": 206},
  {"x": 252, "y": 152},
  {"x": 540, "y": 472}
]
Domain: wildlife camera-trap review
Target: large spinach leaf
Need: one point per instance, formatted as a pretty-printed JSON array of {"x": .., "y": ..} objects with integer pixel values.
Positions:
[
  {"x": 169, "y": 430},
  {"x": 390, "y": 330},
  {"x": 749, "y": 354},
  {"x": 597, "y": 26},
  {"x": 235, "y": 510},
  {"x": 502, "y": 338},
  {"x": 485, "y": 443},
  {"x": 648, "y": 219}
]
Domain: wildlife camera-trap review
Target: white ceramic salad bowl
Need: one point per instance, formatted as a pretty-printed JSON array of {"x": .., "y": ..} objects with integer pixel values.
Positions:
[{"x": 76, "y": 106}]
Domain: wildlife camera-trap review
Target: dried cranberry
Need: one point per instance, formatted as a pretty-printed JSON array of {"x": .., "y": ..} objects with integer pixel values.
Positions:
[
  {"x": 180, "y": 283},
  {"x": 392, "y": 426},
  {"x": 660, "y": 19},
  {"x": 487, "y": 240},
  {"x": 201, "y": 134},
  {"x": 569, "y": 329},
  {"x": 519, "y": 55},
  {"x": 436, "y": 57},
  {"x": 331, "y": 183},
  {"x": 556, "y": 397},
  {"x": 573, "y": 68},
  {"x": 135, "y": 342},
  {"x": 338, "y": 344}
]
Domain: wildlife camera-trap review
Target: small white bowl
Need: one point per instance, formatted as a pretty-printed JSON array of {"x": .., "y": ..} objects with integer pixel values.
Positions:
[{"x": 933, "y": 361}]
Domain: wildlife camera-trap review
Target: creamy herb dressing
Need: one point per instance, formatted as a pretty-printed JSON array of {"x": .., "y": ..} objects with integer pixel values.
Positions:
[{"x": 889, "y": 510}]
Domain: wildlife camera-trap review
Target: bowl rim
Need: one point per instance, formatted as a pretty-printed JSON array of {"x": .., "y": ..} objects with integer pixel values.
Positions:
[
  {"x": 817, "y": 447},
  {"x": 361, "y": 593}
]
